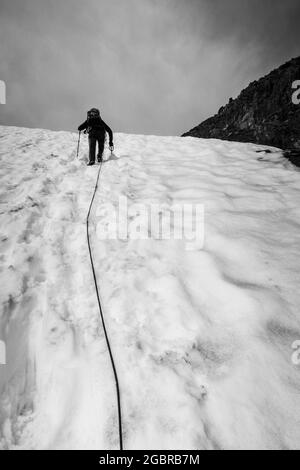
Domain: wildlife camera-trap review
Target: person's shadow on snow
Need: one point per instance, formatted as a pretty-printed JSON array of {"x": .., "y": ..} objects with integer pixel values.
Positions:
[{"x": 113, "y": 156}]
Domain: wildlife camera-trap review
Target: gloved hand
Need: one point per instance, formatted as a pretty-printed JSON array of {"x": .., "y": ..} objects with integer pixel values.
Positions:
[{"x": 111, "y": 145}]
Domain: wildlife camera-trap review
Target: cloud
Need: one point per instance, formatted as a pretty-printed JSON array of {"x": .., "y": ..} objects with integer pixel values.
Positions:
[
  {"x": 273, "y": 25},
  {"x": 152, "y": 66}
]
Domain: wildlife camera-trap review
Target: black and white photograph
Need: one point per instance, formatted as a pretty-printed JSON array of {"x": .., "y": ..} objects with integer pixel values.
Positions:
[{"x": 149, "y": 228}]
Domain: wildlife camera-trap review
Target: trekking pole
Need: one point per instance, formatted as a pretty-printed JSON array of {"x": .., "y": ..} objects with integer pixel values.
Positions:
[{"x": 79, "y": 133}]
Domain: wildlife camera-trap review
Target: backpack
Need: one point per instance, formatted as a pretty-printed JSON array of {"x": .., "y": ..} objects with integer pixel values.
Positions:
[
  {"x": 93, "y": 113},
  {"x": 94, "y": 122}
]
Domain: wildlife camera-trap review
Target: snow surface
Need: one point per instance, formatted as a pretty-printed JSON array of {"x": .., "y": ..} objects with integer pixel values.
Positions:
[{"x": 202, "y": 339}]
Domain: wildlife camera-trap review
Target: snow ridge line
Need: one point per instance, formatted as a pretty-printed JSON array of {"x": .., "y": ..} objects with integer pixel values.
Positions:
[{"x": 102, "y": 316}]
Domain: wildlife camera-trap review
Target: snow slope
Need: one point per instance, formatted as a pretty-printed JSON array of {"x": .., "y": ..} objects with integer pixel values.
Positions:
[{"x": 202, "y": 339}]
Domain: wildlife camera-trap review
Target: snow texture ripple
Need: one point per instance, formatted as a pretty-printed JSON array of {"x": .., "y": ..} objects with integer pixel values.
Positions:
[{"x": 202, "y": 339}]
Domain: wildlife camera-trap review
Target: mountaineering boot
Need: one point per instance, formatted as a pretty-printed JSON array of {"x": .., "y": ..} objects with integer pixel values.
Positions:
[
  {"x": 91, "y": 163},
  {"x": 99, "y": 158}
]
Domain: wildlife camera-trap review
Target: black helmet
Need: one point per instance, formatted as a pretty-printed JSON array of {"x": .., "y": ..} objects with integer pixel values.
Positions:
[{"x": 93, "y": 113}]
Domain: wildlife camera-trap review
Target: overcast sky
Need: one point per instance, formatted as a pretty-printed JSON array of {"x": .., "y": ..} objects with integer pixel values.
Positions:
[{"x": 151, "y": 66}]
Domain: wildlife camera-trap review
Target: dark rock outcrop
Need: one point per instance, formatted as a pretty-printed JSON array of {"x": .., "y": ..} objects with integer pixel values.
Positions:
[{"x": 263, "y": 113}]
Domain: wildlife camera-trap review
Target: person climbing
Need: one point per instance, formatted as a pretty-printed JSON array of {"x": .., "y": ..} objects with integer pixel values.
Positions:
[{"x": 96, "y": 129}]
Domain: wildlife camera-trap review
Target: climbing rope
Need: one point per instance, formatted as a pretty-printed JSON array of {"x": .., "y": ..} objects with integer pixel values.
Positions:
[{"x": 101, "y": 313}]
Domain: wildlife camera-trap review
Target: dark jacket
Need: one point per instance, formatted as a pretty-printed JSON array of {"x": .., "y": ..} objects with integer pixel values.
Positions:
[{"x": 97, "y": 128}]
